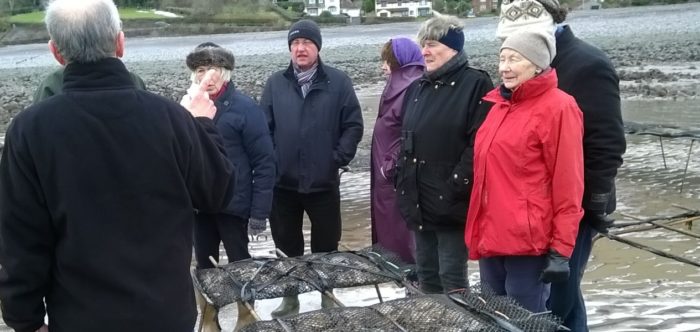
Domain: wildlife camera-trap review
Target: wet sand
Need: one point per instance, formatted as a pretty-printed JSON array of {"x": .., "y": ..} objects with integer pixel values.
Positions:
[{"x": 626, "y": 289}]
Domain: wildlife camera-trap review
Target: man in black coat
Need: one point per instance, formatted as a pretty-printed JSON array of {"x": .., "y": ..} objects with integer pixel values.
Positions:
[
  {"x": 442, "y": 111},
  {"x": 97, "y": 191},
  {"x": 316, "y": 124},
  {"x": 586, "y": 73}
]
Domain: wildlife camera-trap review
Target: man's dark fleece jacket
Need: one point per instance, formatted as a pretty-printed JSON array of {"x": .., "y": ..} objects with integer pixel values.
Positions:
[{"x": 97, "y": 191}]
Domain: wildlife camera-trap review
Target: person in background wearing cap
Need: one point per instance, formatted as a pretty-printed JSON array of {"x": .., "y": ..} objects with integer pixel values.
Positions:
[
  {"x": 528, "y": 176},
  {"x": 243, "y": 126},
  {"x": 403, "y": 63},
  {"x": 97, "y": 189},
  {"x": 442, "y": 109},
  {"x": 586, "y": 73},
  {"x": 316, "y": 124}
]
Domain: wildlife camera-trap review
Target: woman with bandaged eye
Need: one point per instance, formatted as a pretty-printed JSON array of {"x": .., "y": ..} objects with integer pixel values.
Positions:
[{"x": 248, "y": 146}]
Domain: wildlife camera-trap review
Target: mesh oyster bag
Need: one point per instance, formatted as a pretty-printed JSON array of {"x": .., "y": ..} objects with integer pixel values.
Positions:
[
  {"x": 419, "y": 313},
  {"x": 268, "y": 278}
]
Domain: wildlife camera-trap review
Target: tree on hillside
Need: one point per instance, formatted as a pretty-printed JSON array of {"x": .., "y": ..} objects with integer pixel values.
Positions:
[
  {"x": 207, "y": 7},
  {"x": 439, "y": 6},
  {"x": 368, "y": 6},
  {"x": 138, "y": 3},
  {"x": 12, "y": 7}
]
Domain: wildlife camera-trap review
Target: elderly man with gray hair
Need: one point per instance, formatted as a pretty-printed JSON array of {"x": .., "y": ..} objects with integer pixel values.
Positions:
[
  {"x": 442, "y": 110},
  {"x": 97, "y": 191}
]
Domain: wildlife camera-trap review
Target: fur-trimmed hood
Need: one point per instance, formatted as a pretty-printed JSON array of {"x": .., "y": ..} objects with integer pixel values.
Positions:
[{"x": 210, "y": 54}]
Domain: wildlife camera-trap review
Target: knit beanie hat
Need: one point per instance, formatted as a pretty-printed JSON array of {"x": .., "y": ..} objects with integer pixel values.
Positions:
[
  {"x": 536, "y": 46},
  {"x": 210, "y": 54},
  {"x": 305, "y": 29},
  {"x": 454, "y": 39},
  {"x": 519, "y": 15}
]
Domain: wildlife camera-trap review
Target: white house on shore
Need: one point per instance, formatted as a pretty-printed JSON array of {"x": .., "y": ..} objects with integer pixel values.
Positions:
[
  {"x": 399, "y": 8},
  {"x": 350, "y": 8}
]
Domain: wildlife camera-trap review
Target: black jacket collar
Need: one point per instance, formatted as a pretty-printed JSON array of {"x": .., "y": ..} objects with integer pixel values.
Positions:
[
  {"x": 457, "y": 62},
  {"x": 564, "y": 38},
  {"x": 105, "y": 73}
]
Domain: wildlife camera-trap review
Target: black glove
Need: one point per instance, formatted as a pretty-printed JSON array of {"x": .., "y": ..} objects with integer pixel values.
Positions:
[
  {"x": 557, "y": 268},
  {"x": 598, "y": 221}
]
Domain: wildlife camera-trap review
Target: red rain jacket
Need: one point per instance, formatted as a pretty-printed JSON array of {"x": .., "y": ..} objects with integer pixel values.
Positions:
[{"x": 528, "y": 173}]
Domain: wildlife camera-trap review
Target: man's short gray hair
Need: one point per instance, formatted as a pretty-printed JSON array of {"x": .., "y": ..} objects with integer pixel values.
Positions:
[
  {"x": 437, "y": 27},
  {"x": 83, "y": 30}
]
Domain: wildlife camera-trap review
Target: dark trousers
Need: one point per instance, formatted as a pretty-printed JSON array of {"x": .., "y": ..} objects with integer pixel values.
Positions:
[
  {"x": 518, "y": 277},
  {"x": 566, "y": 300},
  {"x": 212, "y": 229},
  {"x": 441, "y": 261},
  {"x": 287, "y": 219}
]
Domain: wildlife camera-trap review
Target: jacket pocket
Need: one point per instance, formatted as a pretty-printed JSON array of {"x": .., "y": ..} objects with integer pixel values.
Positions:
[
  {"x": 439, "y": 198},
  {"x": 324, "y": 170},
  {"x": 407, "y": 192},
  {"x": 539, "y": 226}
]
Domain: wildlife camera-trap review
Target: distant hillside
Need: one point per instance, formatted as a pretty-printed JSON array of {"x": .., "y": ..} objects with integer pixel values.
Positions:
[{"x": 189, "y": 17}]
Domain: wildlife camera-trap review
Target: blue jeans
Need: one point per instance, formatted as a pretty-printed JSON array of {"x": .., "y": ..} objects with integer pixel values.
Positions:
[
  {"x": 566, "y": 300},
  {"x": 518, "y": 277},
  {"x": 441, "y": 260}
]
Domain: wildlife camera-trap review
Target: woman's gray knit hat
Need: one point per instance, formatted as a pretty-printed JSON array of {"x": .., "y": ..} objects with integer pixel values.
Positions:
[
  {"x": 210, "y": 54},
  {"x": 537, "y": 46}
]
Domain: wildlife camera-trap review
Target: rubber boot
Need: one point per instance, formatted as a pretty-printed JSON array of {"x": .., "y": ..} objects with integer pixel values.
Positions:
[
  {"x": 288, "y": 307},
  {"x": 327, "y": 301},
  {"x": 245, "y": 317},
  {"x": 209, "y": 321}
]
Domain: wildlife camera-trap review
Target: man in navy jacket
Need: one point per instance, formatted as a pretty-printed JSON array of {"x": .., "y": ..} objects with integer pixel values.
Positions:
[{"x": 316, "y": 123}]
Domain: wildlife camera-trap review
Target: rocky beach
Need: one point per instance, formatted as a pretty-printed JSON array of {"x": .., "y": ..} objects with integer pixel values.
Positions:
[{"x": 656, "y": 51}]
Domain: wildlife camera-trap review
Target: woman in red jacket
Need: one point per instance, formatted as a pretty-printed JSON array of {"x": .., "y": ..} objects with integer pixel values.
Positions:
[{"x": 528, "y": 176}]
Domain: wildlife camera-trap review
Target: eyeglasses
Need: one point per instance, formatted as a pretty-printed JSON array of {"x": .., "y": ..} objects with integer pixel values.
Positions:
[
  {"x": 301, "y": 41},
  {"x": 200, "y": 71}
]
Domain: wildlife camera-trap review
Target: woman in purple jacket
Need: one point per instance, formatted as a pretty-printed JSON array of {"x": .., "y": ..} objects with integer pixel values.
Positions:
[{"x": 403, "y": 63}]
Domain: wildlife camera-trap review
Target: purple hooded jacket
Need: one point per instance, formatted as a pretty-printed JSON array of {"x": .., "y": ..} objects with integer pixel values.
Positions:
[{"x": 389, "y": 230}]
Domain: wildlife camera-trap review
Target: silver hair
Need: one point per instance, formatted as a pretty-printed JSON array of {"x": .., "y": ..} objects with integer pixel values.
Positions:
[
  {"x": 437, "y": 27},
  {"x": 225, "y": 75},
  {"x": 83, "y": 30}
]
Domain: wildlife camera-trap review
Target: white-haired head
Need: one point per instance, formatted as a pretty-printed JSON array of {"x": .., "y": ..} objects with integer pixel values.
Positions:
[{"x": 83, "y": 30}]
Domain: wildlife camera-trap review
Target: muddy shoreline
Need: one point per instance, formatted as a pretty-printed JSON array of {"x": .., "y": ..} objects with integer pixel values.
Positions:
[{"x": 662, "y": 64}]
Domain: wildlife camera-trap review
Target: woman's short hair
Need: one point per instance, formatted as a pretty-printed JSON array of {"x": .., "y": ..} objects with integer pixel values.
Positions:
[
  {"x": 388, "y": 56},
  {"x": 437, "y": 27}
]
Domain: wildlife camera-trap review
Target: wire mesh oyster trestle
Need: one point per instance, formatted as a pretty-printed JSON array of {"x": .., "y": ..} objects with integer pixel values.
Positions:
[
  {"x": 268, "y": 278},
  {"x": 474, "y": 309}
]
